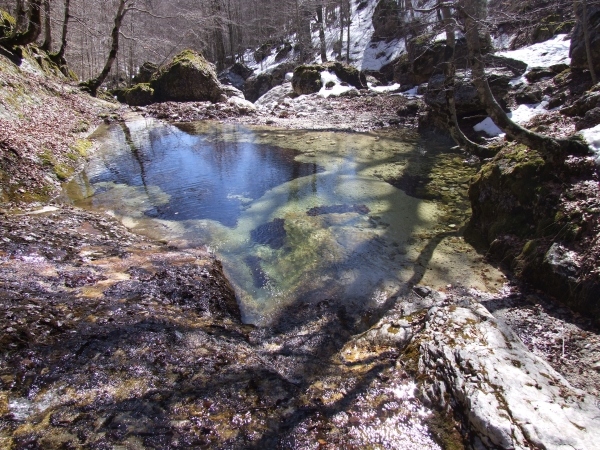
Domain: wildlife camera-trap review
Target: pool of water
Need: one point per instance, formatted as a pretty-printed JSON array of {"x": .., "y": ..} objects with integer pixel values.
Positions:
[{"x": 297, "y": 217}]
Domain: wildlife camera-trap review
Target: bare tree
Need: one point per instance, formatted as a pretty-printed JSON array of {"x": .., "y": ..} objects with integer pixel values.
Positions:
[
  {"x": 47, "y": 27},
  {"x": 472, "y": 14},
  {"x": 93, "y": 84},
  {"x": 580, "y": 7}
]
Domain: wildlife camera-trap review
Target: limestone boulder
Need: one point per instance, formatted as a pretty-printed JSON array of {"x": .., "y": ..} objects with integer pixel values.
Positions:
[
  {"x": 510, "y": 398},
  {"x": 139, "y": 95},
  {"x": 236, "y": 75},
  {"x": 145, "y": 73},
  {"x": 307, "y": 79},
  {"x": 258, "y": 85},
  {"x": 189, "y": 77}
]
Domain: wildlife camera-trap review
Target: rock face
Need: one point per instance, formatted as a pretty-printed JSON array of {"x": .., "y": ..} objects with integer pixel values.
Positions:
[
  {"x": 577, "y": 51},
  {"x": 511, "y": 399},
  {"x": 236, "y": 75},
  {"x": 466, "y": 97},
  {"x": 519, "y": 209},
  {"x": 187, "y": 78},
  {"x": 256, "y": 86},
  {"x": 386, "y": 20}
]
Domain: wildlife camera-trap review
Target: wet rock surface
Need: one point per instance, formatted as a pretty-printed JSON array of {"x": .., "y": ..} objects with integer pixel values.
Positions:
[{"x": 112, "y": 340}]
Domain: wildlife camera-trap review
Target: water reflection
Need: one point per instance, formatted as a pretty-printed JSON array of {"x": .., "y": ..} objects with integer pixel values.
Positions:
[
  {"x": 295, "y": 216},
  {"x": 203, "y": 176}
]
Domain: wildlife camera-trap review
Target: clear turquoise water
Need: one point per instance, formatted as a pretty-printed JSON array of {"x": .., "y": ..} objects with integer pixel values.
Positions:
[{"x": 295, "y": 216}]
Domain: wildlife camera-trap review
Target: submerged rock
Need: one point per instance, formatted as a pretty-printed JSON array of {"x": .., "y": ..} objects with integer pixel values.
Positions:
[
  {"x": 338, "y": 209},
  {"x": 272, "y": 234}
]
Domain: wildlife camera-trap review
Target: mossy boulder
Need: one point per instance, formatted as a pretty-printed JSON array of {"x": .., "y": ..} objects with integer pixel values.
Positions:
[
  {"x": 7, "y": 23},
  {"x": 307, "y": 79},
  {"x": 145, "y": 73},
  {"x": 139, "y": 95},
  {"x": 189, "y": 77},
  {"x": 516, "y": 203},
  {"x": 504, "y": 190},
  {"x": 550, "y": 26},
  {"x": 348, "y": 74}
]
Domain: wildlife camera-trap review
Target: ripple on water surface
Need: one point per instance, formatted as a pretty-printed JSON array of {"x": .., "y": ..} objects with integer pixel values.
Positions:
[{"x": 295, "y": 216}]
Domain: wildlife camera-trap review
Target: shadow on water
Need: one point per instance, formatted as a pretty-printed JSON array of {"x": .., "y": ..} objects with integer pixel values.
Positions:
[{"x": 281, "y": 386}]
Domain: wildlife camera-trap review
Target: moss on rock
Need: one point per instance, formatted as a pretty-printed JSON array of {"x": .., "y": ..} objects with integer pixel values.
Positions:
[
  {"x": 307, "y": 79},
  {"x": 141, "y": 94},
  {"x": 189, "y": 77},
  {"x": 517, "y": 201},
  {"x": 7, "y": 23}
]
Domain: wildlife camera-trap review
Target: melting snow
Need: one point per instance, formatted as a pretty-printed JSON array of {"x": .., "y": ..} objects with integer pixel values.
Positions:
[
  {"x": 336, "y": 90},
  {"x": 592, "y": 136},
  {"x": 544, "y": 54},
  {"x": 390, "y": 88},
  {"x": 521, "y": 115}
]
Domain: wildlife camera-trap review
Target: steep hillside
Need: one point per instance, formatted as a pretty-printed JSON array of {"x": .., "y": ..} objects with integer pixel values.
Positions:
[{"x": 44, "y": 120}]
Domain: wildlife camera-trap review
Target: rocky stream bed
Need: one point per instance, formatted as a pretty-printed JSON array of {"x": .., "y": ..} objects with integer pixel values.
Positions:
[{"x": 113, "y": 340}]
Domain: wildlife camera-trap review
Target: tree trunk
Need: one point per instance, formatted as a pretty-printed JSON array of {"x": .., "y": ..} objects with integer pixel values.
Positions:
[
  {"x": 21, "y": 16},
  {"x": 449, "y": 73},
  {"x": 93, "y": 84},
  {"x": 218, "y": 34},
  {"x": 348, "y": 22},
  {"x": 582, "y": 4},
  {"x": 60, "y": 56},
  {"x": 47, "y": 45},
  {"x": 321, "y": 20},
  {"x": 33, "y": 29},
  {"x": 472, "y": 13}
]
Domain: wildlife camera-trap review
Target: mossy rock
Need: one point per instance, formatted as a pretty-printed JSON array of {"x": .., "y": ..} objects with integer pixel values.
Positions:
[
  {"x": 307, "y": 79},
  {"x": 7, "y": 23},
  {"x": 505, "y": 192},
  {"x": 139, "y": 95},
  {"x": 348, "y": 74},
  {"x": 187, "y": 78},
  {"x": 145, "y": 73}
]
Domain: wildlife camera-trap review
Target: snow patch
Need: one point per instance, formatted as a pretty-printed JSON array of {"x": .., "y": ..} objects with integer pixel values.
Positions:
[
  {"x": 412, "y": 92},
  {"x": 521, "y": 115},
  {"x": 390, "y": 88},
  {"x": 592, "y": 136},
  {"x": 488, "y": 126},
  {"x": 545, "y": 54},
  {"x": 327, "y": 78}
]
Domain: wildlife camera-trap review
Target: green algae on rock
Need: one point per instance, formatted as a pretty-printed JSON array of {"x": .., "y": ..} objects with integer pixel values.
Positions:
[{"x": 188, "y": 77}]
